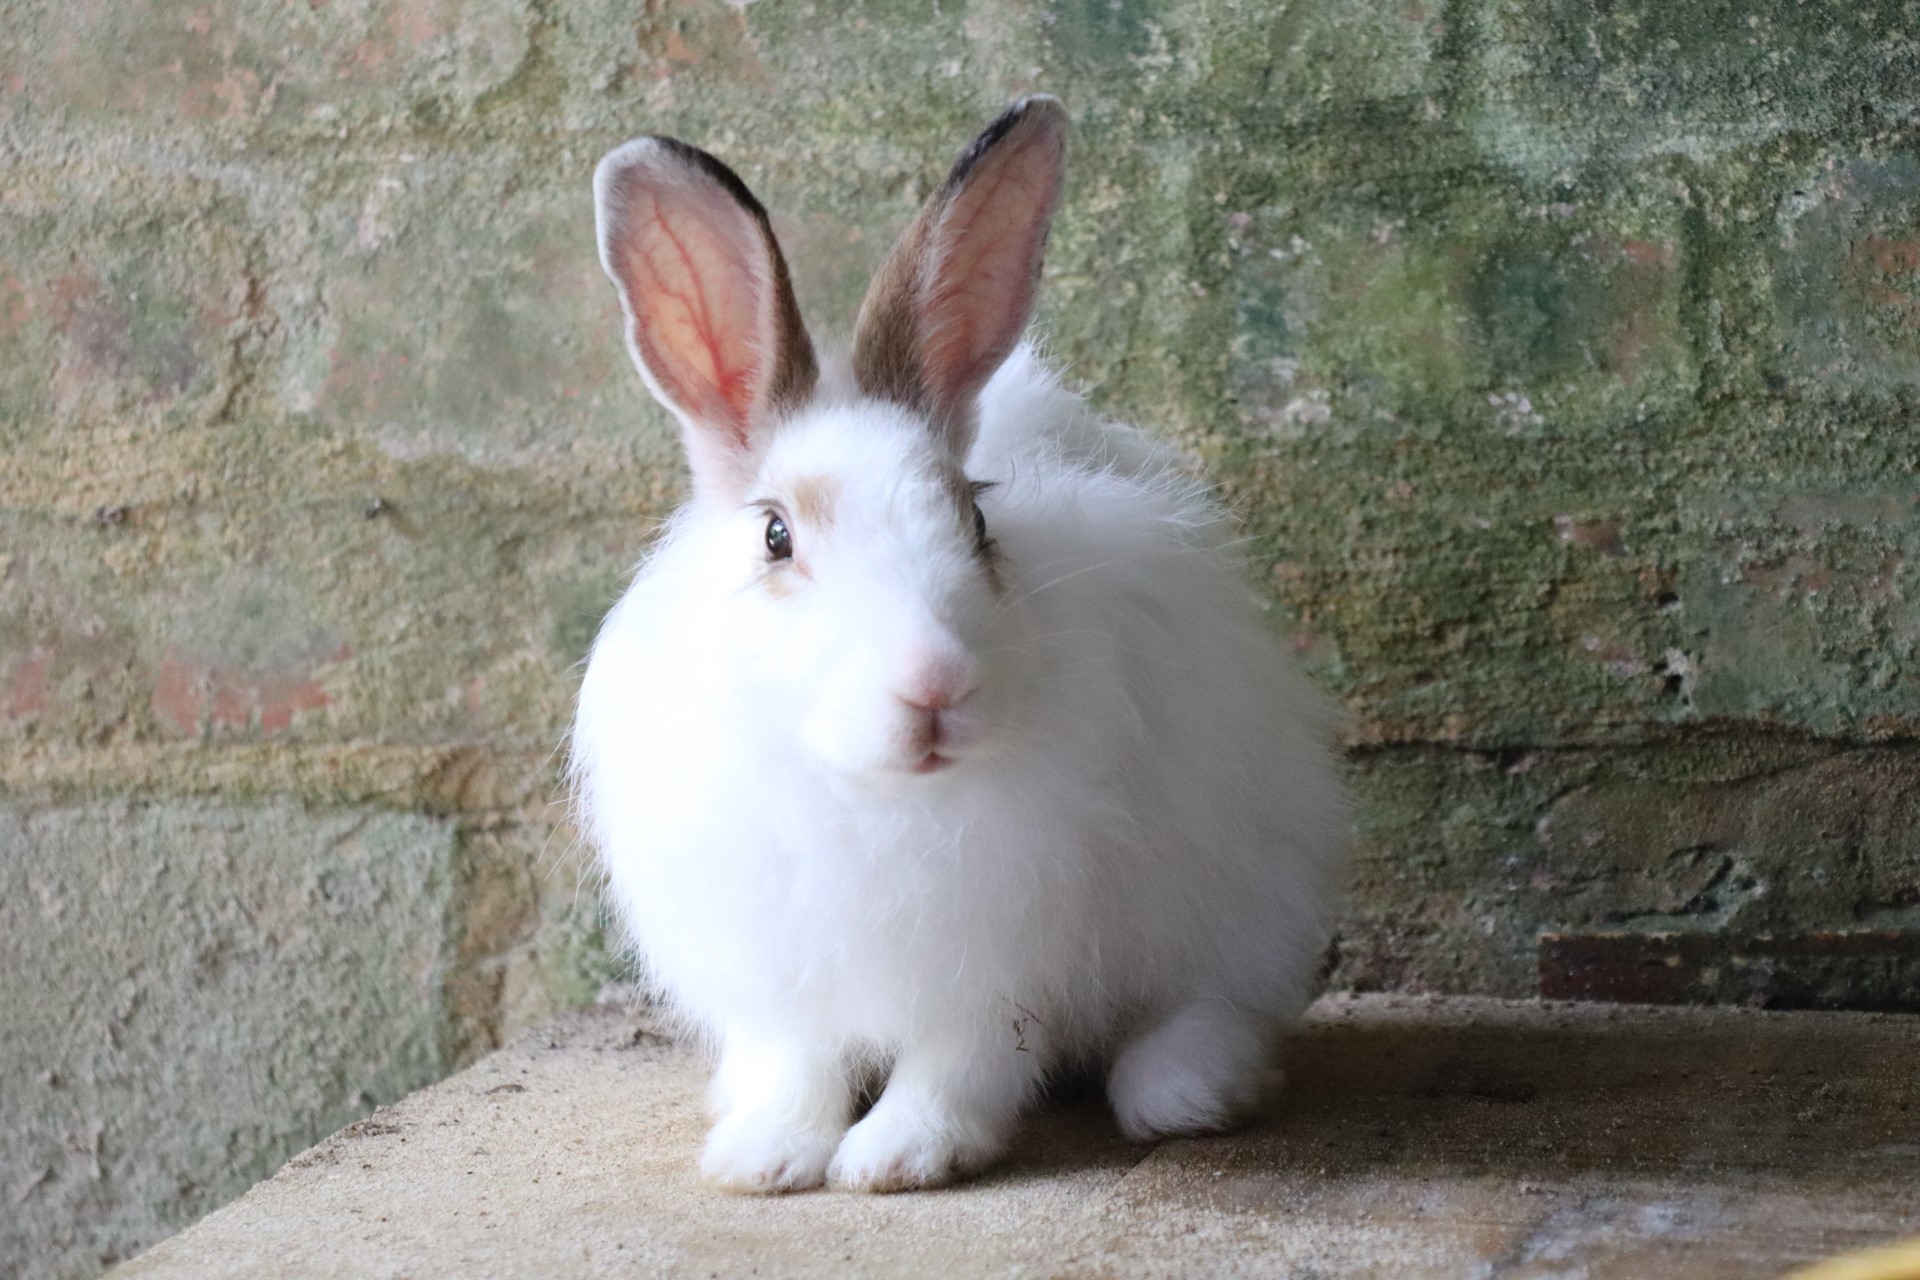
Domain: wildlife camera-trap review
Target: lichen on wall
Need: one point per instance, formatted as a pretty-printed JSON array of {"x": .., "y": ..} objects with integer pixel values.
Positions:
[{"x": 1561, "y": 360}]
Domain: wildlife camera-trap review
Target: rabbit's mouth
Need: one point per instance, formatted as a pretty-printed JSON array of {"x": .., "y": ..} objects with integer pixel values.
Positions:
[{"x": 932, "y": 762}]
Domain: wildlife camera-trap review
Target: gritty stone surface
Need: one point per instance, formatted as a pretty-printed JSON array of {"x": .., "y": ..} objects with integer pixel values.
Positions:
[
  {"x": 309, "y": 943},
  {"x": 195, "y": 986},
  {"x": 1560, "y": 359},
  {"x": 1415, "y": 1138}
]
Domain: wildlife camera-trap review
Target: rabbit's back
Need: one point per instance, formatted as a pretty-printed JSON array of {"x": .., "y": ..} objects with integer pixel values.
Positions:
[{"x": 1216, "y": 749}]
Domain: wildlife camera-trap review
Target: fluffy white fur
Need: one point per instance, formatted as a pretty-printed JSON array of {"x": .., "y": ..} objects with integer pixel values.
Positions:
[{"x": 1132, "y": 860}]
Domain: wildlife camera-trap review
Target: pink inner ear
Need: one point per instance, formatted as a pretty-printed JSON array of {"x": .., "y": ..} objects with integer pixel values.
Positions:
[
  {"x": 987, "y": 264},
  {"x": 694, "y": 268}
]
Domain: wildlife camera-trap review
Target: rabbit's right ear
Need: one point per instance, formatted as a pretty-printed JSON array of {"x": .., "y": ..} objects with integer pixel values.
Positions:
[
  {"x": 953, "y": 296},
  {"x": 711, "y": 320}
]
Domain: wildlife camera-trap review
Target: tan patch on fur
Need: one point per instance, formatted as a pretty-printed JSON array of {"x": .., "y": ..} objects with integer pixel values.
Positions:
[{"x": 814, "y": 499}]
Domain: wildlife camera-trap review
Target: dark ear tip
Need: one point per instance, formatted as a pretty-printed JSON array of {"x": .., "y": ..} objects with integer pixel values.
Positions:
[
  {"x": 659, "y": 154},
  {"x": 1041, "y": 107},
  {"x": 1037, "y": 113},
  {"x": 649, "y": 151}
]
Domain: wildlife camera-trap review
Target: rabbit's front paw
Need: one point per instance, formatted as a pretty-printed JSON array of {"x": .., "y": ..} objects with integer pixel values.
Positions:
[
  {"x": 758, "y": 1154},
  {"x": 896, "y": 1149}
]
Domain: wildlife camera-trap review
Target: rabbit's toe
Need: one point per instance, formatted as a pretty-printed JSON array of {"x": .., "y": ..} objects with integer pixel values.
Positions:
[
  {"x": 894, "y": 1149},
  {"x": 759, "y": 1155}
]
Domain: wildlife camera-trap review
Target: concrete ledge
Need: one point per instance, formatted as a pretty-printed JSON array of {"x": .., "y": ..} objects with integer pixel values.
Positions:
[{"x": 1416, "y": 1138}]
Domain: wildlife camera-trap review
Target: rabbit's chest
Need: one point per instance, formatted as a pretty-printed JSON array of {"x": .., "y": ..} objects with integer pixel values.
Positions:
[{"x": 837, "y": 924}]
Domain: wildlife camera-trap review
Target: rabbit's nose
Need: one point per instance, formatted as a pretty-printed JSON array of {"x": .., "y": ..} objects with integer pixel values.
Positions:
[
  {"x": 940, "y": 685},
  {"x": 932, "y": 699}
]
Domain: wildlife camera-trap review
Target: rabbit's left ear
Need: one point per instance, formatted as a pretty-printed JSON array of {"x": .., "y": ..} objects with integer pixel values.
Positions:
[
  {"x": 956, "y": 292},
  {"x": 711, "y": 320}
]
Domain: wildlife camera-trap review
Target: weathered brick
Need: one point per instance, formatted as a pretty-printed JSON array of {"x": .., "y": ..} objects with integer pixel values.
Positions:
[
  {"x": 294, "y": 990},
  {"x": 136, "y": 307},
  {"x": 246, "y": 594},
  {"x": 230, "y": 66},
  {"x": 1876, "y": 969},
  {"x": 1467, "y": 857},
  {"x": 488, "y": 333},
  {"x": 1804, "y": 610},
  {"x": 1847, "y": 273},
  {"x": 1568, "y": 84}
]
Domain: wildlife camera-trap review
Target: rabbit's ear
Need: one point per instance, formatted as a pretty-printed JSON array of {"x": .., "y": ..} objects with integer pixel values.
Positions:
[
  {"x": 955, "y": 294},
  {"x": 711, "y": 320}
]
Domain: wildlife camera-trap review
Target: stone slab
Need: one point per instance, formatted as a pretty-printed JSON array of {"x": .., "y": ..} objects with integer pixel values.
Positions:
[{"x": 1417, "y": 1137}]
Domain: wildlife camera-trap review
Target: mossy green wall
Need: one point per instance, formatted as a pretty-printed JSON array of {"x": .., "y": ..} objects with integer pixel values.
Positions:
[{"x": 1560, "y": 357}]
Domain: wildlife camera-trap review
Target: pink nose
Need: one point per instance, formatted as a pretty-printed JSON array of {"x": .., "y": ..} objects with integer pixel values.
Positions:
[
  {"x": 933, "y": 699},
  {"x": 940, "y": 685}
]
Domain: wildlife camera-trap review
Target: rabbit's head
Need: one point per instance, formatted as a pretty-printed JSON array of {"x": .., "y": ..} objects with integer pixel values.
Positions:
[{"x": 854, "y": 556}]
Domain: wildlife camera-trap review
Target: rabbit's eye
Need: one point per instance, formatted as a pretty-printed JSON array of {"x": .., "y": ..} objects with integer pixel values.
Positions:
[
  {"x": 979, "y": 528},
  {"x": 779, "y": 541}
]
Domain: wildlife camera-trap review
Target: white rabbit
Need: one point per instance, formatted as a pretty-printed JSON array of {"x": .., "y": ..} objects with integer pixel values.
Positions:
[{"x": 939, "y": 734}]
